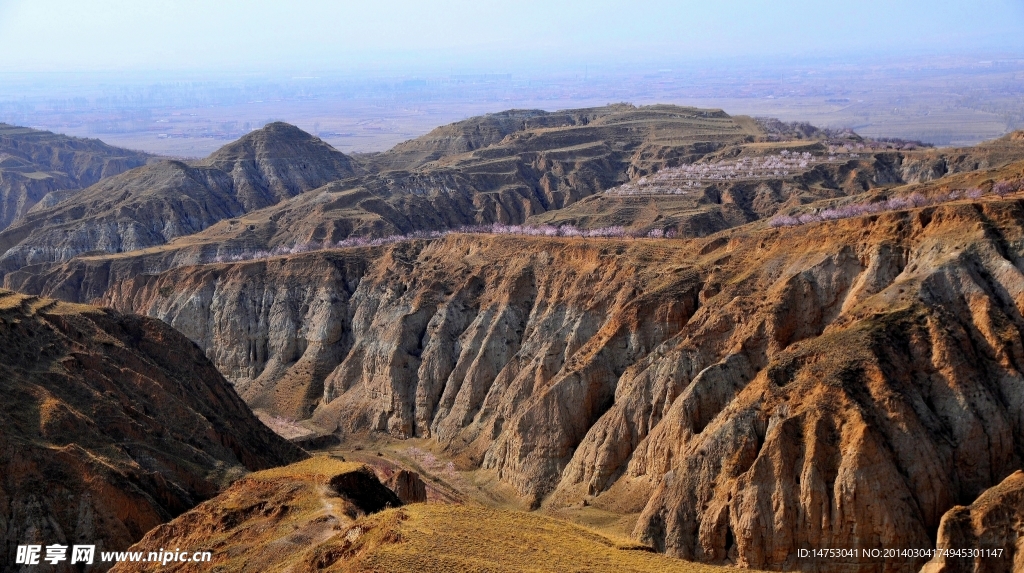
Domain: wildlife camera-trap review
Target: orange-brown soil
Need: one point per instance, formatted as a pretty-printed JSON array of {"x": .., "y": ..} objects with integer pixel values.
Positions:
[
  {"x": 750, "y": 394},
  {"x": 985, "y": 537},
  {"x": 111, "y": 425}
]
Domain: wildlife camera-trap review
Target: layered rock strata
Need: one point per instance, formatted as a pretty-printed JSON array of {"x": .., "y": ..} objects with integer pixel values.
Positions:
[{"x": 750, "y": 394}]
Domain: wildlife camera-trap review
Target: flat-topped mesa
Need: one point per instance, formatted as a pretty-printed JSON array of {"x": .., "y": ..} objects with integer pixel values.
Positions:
[
  {"x": 151, "y": 205},
  {"x": 111, "y": 425}
]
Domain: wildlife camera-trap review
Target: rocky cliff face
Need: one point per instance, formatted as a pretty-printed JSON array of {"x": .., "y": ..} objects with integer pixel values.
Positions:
[
  {"x": 154, "y": 204},
  {"x": 35, "y": 165},
  {"x": 986, "y": 536},
  {"x": 751, "y": 393},
  {"x": 111, "y": 425}
]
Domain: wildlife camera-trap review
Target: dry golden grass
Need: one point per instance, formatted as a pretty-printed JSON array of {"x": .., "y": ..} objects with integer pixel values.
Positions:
[
  {"x": 288, "y": 520},
  {"x": 312, "y": 468},
  {"x": 434, "y": 538}
]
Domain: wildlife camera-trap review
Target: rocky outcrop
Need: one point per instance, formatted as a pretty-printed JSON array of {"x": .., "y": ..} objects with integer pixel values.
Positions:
[
  {"x": 151, "y": 205},
  {"x": 407, "y": 486},
  {"x": 38, "y": 165},
  {"x": 111, "y": 425},
  {"x": 986, "y": 536}
]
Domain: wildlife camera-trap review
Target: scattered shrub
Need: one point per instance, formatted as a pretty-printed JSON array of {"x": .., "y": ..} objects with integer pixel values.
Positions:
[
  {"x": 893, "y": 204},
  {"x": 1004, "y": 188}
]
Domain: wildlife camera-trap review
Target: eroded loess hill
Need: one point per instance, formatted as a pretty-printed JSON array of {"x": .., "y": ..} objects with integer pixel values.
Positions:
[
  {"x": 750, "y": 394},
  {"x": 273, "y": 520},
  {"x": 479, "y": 132},
  {"x": 560, "y": 168},
  {"x": 39, "y": 168},
  {"x": 544, "y": 162},
  {"x": 713, "y": 206},
  {"x": 111, "y": 425},
  {"x": 306, "y": 517},
  {"x": 154, "y": 204},
  {"x": 746, "y": 395}
]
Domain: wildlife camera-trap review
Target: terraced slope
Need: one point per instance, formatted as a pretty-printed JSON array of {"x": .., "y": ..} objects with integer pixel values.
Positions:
[
  {"x": 476, "y": 133},
  {"x": 39, "y": 168},
  {"x": 542, "y": 163},
  {"x": 111, "y": 425},
  {"x": 713, "y": 206}
]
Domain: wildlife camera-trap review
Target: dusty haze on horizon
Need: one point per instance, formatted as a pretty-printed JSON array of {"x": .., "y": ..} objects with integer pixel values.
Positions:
[{"x": 69, "y": 35}]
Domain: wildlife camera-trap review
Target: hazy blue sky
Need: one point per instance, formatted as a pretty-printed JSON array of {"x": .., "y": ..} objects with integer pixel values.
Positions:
[{"x": 57, "y": 35}]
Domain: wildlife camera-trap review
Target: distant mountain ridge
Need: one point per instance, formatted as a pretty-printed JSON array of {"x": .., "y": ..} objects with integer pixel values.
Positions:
[
  {"x": 479, "y": 132},
  {"x": 279, "y": 187},
  {"x": 39, "y": 165},
  {"x": 156, "y": 203}
]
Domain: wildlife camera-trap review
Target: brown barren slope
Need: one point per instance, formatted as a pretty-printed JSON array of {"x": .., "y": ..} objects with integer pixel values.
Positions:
[
  {"x": 111, "y": 425},
  {"x": 986, "y": 536},
  {"x": 746, "y": 395},
  {"x": 39, "y": 168},
  {"x": 156, "y": 203}
]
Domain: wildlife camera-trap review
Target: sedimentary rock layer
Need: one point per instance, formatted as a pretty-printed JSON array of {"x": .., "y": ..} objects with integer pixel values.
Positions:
[{"x": 752, "y": 394}]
